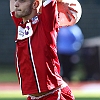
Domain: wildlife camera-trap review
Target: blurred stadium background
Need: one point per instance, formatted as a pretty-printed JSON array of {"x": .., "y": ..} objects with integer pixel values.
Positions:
[{"x": 86, "y": 74}]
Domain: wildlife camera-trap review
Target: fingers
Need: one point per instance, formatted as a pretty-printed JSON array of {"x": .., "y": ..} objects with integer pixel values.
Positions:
[
  {"x": 67, "y": 9},
  {"x": 68, "y": 17},
  {"x": 70, "y": 12},
  {"x": 73, "y": 9}
]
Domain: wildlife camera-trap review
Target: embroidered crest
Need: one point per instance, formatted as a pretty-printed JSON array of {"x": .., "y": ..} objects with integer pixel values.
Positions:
[{"x": 24, "y": 32}]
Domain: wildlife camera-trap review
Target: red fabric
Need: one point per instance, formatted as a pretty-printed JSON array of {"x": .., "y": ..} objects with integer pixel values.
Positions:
[
  {"x": 37, "y": 62},
  {"x": 28, "y": 98},
  {"x": 16, "y": 20},
  {"x": 66, "y": 94}
]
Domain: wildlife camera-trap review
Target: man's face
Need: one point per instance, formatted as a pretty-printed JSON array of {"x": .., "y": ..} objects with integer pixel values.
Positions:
[{"x": 23, "y": 8}]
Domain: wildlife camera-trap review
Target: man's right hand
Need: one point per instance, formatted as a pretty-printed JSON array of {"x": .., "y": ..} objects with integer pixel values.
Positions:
[{"x": 66, "y": 9}]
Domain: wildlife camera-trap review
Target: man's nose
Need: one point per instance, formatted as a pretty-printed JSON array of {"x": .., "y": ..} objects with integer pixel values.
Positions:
[{"x": 16, "y": 3}]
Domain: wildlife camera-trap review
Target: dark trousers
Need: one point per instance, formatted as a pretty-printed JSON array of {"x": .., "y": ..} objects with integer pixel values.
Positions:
[{"x": 66, "y": 64}]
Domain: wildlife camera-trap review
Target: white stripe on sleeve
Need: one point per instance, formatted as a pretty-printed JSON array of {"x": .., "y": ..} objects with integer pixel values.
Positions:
[{"x": 46, "y": 2}]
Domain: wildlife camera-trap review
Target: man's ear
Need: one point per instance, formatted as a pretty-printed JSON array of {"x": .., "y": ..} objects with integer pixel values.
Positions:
[{"x": 35, "y": 4}]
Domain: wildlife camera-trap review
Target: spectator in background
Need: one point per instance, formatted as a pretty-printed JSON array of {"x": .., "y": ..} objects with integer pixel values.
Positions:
[{"x": 69, "y": 41}]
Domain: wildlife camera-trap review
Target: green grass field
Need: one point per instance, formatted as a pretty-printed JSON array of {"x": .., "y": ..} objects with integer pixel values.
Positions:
[
  {"x": 82, "y": 98},
  {"x": 7, "y": 74},
  {"x": 25, "y": 98},
  {"x": 16, "y": 95}
]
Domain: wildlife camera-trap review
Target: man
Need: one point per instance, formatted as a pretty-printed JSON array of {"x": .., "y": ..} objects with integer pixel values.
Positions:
[{"x": 37, "y": 63}]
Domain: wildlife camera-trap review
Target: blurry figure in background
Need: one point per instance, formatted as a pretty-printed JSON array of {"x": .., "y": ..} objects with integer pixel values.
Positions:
[{"x": 69, "y": 41}]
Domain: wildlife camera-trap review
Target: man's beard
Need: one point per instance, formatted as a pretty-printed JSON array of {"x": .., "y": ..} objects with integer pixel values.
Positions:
[{"x": 23, "y": 13}]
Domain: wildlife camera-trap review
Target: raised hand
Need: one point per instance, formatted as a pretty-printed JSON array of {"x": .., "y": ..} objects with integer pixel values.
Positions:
[
  {"x": 66, "y": 9},
  {"x": 69, "y": 12}
]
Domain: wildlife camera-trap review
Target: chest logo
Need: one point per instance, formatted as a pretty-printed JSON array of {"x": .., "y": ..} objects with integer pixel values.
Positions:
[{"x": 24, "y": 32}]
